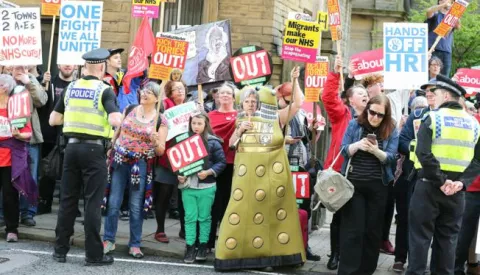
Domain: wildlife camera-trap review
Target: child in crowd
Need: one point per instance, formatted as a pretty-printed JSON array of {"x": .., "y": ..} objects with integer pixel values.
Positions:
[{"x": 199, "y": 190}]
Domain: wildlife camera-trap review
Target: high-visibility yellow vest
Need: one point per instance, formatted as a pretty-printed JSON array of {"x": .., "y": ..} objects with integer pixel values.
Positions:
[
  {"x": 413, "y": 144},
  {"x": 454, "y": 136},
  {"x": 84, "y": 111}
]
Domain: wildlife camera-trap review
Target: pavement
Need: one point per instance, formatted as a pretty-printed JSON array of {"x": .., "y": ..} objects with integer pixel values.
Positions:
[{"x": 319, "y": 240}]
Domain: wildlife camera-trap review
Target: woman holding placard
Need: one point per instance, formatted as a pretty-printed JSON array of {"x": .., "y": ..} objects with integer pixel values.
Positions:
[{"x": 15, "y": 175}]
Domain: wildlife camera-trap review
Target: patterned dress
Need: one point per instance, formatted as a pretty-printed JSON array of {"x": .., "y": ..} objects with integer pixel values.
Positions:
[{"x": 261, "y": 226}]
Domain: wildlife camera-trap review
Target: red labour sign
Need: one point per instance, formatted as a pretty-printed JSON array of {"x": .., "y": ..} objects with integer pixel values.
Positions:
[
  {"x": 301, "y": 183},
  {"x": 186, "y": 152},
  {"x": 367, "y": 63}
]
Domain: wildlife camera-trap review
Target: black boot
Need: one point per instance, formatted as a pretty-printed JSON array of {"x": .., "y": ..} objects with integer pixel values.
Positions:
[
  {"x": 311, "y": 256},
  {"x": 334, "y": 247},
  {"x": 44, "y": 207},
  {"x": 202, "y": 252},
  {"x": 189, "y": 255}
]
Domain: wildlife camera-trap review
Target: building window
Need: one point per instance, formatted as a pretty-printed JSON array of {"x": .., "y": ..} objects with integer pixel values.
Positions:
[{"x": 190, "y": 14}]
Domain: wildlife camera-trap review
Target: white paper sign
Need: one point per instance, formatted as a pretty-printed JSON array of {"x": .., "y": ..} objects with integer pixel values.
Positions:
[
  {"x": 405, "y": 55},
  {"x": 21, "y": 40},
  {"x": 178, "y": 118},
  {"x": 80, "y": 30}
]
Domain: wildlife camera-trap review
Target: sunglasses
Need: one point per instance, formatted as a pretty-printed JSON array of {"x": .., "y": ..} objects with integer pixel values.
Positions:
[{"x": 373, "y": 113}]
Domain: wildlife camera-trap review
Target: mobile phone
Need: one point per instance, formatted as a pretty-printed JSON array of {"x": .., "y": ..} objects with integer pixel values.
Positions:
[{"x": 372, "y": 138}]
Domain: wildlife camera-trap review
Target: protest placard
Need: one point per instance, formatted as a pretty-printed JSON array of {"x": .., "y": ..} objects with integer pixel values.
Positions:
[
  {"x": 299, "y": 16},
  {"x": 7, "y": 4},
  {"x": 51, "y": 7},
  {"x": 405, "y": 55},
  {"x": 80, "y": 30},
  {"x": 187, "y": 154},
  {"x": 315, "y": 78},
  {"x": 366, "y": 63},
  {"x": 170, "y": 53},
  {"x": 308, "y": 109},
  {"x": 469, "y": 79},
  {"x": 251, "y": 65},
  {"x": 19, "y": 107},
  {"x": 334, "y": 18},
  {"x": 301, "y": 41},
  {"x": 451, "y": 18},
  {"x": 322, "y": 20},
  {"x": 148, "y": 8},
  {"x": 21, "y": 41},
  {"x": 177, "y": 118},
  {"x": 301, "y": 184}
]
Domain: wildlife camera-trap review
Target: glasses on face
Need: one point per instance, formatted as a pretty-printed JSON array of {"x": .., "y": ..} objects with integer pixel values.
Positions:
[
  {"x": 178, "y": 89},
  {"x": 373, "y": 113},
  {"x": 18, "y": 68},
  {"x": 225, "y": 92},
  {"x": 435, "y": 65},
  {"x": 146, "y": 92}
]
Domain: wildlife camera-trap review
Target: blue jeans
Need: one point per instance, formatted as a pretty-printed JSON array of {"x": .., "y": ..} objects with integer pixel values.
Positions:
[
  {"x": 120, "y": 178},
  {"x": 28, "y": 211},
  {"x": 446, "y": 58}
]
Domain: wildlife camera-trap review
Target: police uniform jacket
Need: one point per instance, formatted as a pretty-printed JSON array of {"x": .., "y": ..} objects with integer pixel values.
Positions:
[{"x": 431, "y": 166}]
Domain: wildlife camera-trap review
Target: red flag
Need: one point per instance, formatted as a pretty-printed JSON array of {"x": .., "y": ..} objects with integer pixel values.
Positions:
[{"x": 142, "y": 47}]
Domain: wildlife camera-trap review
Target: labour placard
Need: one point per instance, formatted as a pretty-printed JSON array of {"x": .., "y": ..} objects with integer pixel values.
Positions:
[
  {"x": 301, "y": 184},
  {"x": 315, "y": 78},
  {"x": 187, "y": 154},
  {"x": 51, "y": 7},
  {"x": 469, "y": 79},
  {"x": 405, "y": 55},
  {"x": 301, "y": 41},
  {"x": 148, "y": 8},
  {"x": 334, "y": 18},
  {"x": 178, "y": 117},
  {"x": 170, "y": 53},
  {"x": 251, "y": 65},
  {"x": 451, "y": 18},
  {"x": 80, "y": 30},
  {"x": 19, "y": 107},
  {"x": 366, "y": 63},
  {"x": 21, "y": 41}
]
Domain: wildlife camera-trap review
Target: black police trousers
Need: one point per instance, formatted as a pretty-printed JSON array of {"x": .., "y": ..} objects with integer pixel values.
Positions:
[
  {"x": 431, "y": 213},
  {"x": 84, "y": 167},
  {"x": 469, "y": 229}
]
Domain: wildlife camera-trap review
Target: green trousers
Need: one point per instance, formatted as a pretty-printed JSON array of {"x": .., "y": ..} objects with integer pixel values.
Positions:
[{"x": 198, "y": 207}]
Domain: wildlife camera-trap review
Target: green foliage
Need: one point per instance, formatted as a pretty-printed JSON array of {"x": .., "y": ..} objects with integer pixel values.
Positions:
[{"x": 466, "y": 45}]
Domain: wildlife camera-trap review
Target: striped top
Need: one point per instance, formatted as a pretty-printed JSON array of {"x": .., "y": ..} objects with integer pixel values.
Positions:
[{"x": 364, "y": 165}]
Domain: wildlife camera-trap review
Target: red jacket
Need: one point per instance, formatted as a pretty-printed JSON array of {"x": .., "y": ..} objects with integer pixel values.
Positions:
[
  {"x": 475, "y": 186},
  {"x": 339, "y": 115}
]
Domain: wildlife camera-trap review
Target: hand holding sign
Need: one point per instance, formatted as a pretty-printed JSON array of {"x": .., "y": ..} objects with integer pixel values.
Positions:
[{"x": 23, "y": 78}]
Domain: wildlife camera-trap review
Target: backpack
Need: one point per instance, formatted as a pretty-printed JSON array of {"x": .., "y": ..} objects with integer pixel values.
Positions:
[{"x": 332, "y": 188}]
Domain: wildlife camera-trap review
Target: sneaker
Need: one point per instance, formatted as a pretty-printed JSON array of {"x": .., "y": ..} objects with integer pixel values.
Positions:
[
  {"x": 12, "y": 238},
  {"x": 124, "y": 215},
  {"x": 189, "y": 255},
  {"x": 398, "y": 267},
  {"x": 29, "y": 222},
  {"x": 202, "y": 252},
  {"x": 135, "y": 252},
  {"x": 108, "y": 247},
  {"x": 387, "y": 248}
]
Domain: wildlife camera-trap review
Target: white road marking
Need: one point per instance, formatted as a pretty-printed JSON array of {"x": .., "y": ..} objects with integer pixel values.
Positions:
[{"x": 140, "y": 261}]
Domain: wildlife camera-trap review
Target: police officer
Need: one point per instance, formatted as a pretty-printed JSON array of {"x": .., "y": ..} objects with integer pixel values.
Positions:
[
  {"x": 447, "y": 141},
  {"x": 88, "y": 110}
]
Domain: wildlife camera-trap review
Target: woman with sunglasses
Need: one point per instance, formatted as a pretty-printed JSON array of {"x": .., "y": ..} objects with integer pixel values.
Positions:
[
  {"x": 369, "y": 147},
  {"x": 136, "y": 143}
]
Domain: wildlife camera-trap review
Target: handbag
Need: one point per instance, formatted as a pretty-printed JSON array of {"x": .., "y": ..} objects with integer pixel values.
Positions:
[{"x": 332, "y": 188}]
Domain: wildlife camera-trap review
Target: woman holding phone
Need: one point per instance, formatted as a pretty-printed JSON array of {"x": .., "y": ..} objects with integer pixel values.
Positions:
[{"x": 369, "y": 147}]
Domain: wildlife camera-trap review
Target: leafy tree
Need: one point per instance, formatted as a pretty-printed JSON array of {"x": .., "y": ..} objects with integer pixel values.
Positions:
[{"x": 466, "y": 45}]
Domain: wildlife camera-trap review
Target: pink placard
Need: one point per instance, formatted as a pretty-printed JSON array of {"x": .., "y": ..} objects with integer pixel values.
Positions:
[
  {"x": 468, "y": 79},
  {"x": 299, "y": 54},
  {"x": 368, "y": 62},
  {"x": 141, "y": 11}
]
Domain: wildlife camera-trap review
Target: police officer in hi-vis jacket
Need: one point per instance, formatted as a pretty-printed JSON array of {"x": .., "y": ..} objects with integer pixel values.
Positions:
[
  {"x": 88, "y": 110},
  {"x": 447, "y": 142}
]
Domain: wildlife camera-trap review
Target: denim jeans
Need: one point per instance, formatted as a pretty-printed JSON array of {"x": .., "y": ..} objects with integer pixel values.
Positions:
[
  {"x": 28, "y": 211},
  {"x": 120, "y": 178}
]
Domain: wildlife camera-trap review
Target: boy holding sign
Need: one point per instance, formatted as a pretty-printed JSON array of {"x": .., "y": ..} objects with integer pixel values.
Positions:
[{"x": 443, "y": 50}]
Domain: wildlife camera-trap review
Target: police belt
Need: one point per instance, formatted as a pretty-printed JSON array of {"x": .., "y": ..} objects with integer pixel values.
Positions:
[{"x": 89, "y": 141}]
